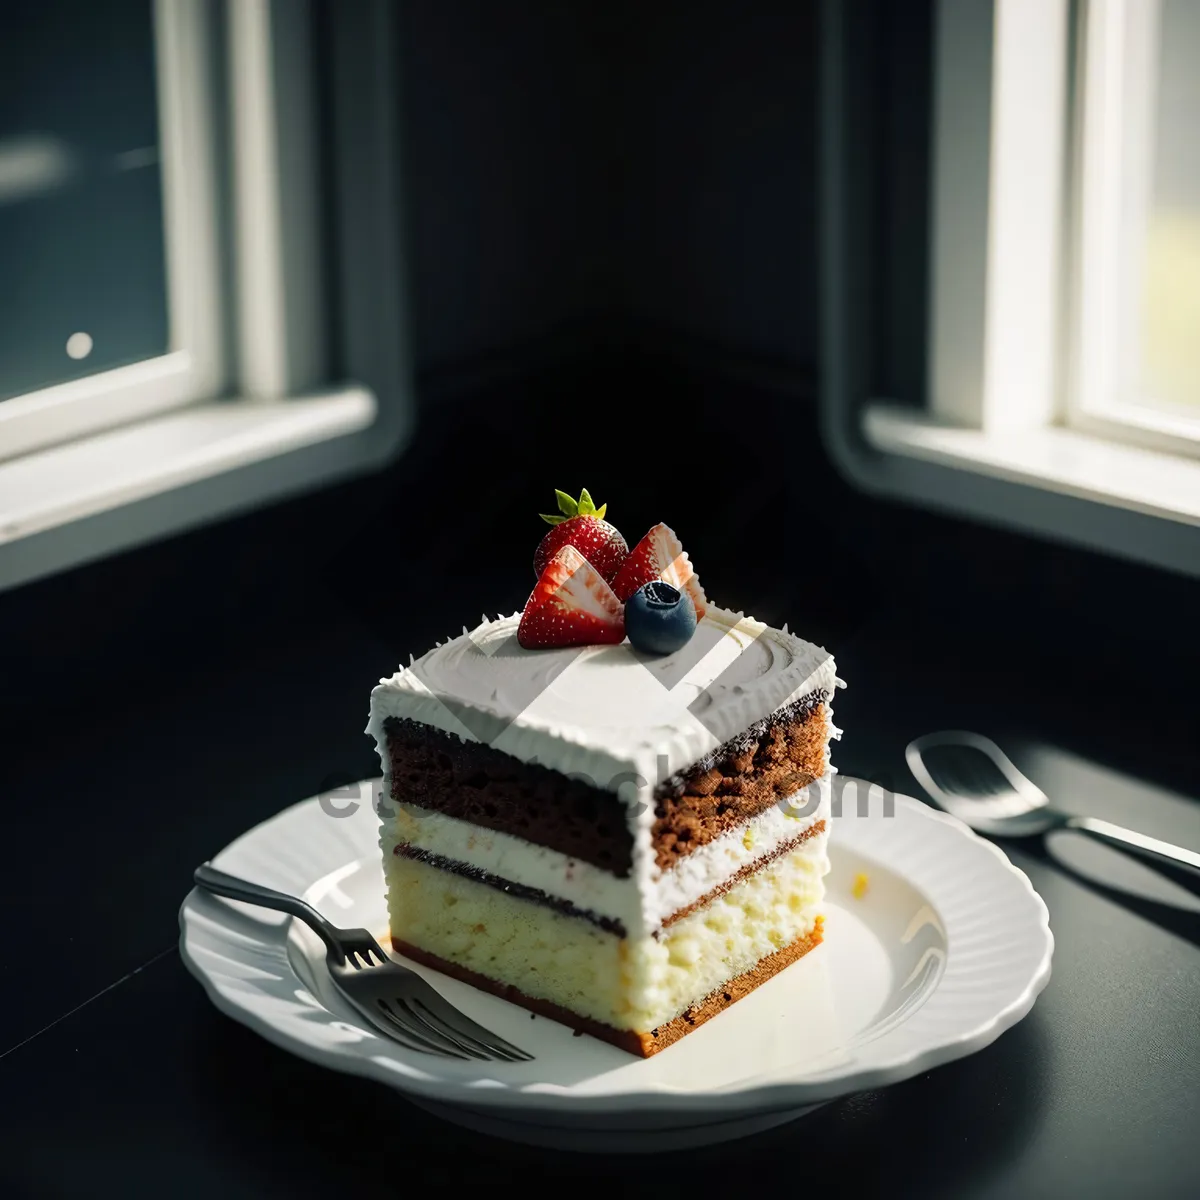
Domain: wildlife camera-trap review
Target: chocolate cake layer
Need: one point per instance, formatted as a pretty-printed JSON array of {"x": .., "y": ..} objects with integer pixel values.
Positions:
[
  {"x": 475, "y": 783},
  {"x": 643, "y": 1044},
  {"x": 769, "y": 762},
  {"x": 522, "y": 891}
]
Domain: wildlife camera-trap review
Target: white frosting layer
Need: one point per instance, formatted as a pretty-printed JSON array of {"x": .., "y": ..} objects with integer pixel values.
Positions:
[
  {"x": 619, "y": 719},
  {"x": 598, "y": 891},
  {"x": 709, "y": 866},
  {"x": 514, "y": 859}
]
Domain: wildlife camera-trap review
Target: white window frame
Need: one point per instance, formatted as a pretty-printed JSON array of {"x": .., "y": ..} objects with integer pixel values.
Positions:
[
  {"x": 241, "y": 410},
  {"x": 996, "y": 437}
]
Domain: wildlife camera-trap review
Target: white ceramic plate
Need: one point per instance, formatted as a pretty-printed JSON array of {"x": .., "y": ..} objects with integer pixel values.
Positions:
[{"x": 948, "y": 947}]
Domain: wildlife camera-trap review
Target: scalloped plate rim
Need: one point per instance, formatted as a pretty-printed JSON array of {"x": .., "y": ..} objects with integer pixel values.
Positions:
[{"x": 751, "y": 1094}]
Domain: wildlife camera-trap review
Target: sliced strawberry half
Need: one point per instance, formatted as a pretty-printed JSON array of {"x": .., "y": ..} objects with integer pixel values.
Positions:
[
  {"x": 659, "y": 555},
  {"x": 571, "y": 605}
]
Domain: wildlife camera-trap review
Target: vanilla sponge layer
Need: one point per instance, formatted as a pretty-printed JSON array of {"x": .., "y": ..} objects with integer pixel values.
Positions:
[{"x": 629, "y": 983}]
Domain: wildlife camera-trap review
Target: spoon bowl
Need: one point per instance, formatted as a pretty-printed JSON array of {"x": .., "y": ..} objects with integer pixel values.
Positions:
[{"x": 974, "y": 780}]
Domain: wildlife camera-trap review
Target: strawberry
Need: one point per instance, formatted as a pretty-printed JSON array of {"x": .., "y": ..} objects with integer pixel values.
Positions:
[
  {"x": 659, "y": 555},
  {"x": 571, "y": 605},
  {"x": 581, "y": 524}
]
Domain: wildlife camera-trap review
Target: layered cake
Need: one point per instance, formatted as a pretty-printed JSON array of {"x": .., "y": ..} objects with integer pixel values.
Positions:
[{"x": 612, "y": 808}]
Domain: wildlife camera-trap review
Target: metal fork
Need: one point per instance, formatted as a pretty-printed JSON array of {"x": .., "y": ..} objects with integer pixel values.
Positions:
[{"x": 390, "y": 997}]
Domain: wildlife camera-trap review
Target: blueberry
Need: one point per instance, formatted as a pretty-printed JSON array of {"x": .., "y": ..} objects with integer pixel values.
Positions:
[{"x": 659, "y": 618}]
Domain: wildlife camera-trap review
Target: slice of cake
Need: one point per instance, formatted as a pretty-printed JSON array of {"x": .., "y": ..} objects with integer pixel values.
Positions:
[{"x": 624, "y": 839}]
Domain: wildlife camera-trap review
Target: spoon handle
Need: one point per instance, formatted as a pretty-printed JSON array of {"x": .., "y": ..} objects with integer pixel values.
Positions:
[{"x": 1135, "y": 843}]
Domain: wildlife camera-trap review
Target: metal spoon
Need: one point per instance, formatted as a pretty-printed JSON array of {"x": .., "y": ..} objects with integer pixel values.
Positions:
[{"x": 973, "y": 779}]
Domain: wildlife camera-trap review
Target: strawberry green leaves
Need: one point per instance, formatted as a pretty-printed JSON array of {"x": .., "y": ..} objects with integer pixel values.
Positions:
[{"x": 569, "y": 507}]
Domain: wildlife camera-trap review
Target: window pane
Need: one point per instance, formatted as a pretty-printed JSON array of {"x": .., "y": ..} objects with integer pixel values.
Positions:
[
  {"x": 82, "y": 271},
  {"x": 1170, "y": 291}
]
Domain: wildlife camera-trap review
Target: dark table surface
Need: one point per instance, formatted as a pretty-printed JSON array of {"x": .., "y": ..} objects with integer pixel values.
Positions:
[{"x": 115, "y": 1071}]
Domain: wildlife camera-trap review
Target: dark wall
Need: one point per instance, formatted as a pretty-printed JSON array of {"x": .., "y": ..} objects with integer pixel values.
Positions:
[
  {"x": 502, "y": 108},
  {"x": 609, "y": 169},
  {"x": 715, "y": 234}
]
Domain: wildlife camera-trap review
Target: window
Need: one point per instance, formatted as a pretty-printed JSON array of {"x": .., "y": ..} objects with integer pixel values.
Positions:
[
  {"x": 1139, "y": 223},
  {"x": 1063, "y": 303},
  {"x": 107, "y": 218},
  {"x": 68, "y": 165},
  {"x": 200, "y": 285}
]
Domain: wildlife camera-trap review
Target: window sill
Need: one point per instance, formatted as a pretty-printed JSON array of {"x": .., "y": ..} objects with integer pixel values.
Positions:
[
  {"x": 76, "y": 502},
  {"x": 1140, "y": 503}
]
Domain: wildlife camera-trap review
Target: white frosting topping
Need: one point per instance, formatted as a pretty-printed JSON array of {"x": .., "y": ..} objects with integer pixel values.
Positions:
[
  {"x": 604, "y": 707},
  {"x": 619, "y": 719}
]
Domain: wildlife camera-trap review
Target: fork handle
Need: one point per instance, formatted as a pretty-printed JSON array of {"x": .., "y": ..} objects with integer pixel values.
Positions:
[
  {"x": 1135, "y": 843},
  {"x": 233, "y": 888}
]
